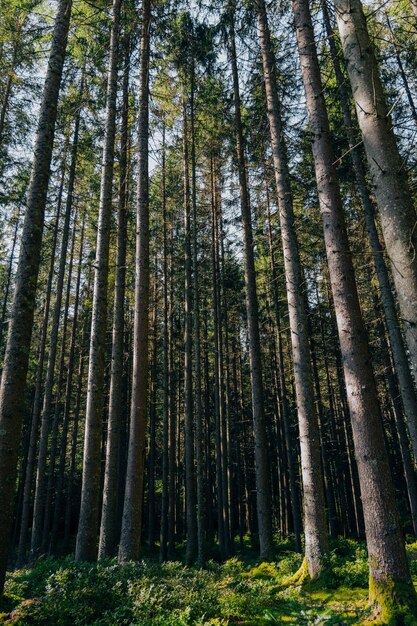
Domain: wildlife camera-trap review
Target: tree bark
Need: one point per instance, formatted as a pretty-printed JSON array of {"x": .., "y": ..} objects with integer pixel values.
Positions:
[
  {"x": 36, "y": 410},
  {"x": 386, "y": 167},
  {"x": 289, "y": 444},
  {"x": 190, "y": 484},
  {"x": 41, "y": 476},
  {"x": 263, "y": 487},
  {"x": 152, "y": 417},
  {"x": 389, "y": 572},
  {"x": 109, "y": 526},
  {"x": 197, "y": 346},
  {"x": 20, "y": 330},
  {"x": 67, "y": 402},
  {"x": 3, "y": 321},
  {"x": 315, "y": 529},
  {"x": 132, "y": 512},
  {"x": 86, "y": 546},
  {"x": 163, "y": 553}
]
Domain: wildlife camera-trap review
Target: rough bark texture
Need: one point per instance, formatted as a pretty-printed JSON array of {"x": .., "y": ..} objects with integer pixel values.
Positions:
[
  {"x": 20, "y": 330},
  {"x": 405, "y": 380},
  {"x": 217, "y": 376},
  {"x": 53, "y": 446},
  {"x": 315, "y": 528},
  {"x": 132, "y": 512},
  {"x": 108, "y": 528},
  {"x": 86, "y": 547},
  {"x": 263, "y": 487},
  {"x": 163, "y": 553},
  {"x": 67, "y": 402},
  {"x": 37, "y": 400},
  {"x": 197, "y": 345},
  {"x": 41, "y": 476},
  {"x": 387, "y": 172},
  {"x": 387, "y": 558},
  {"x": 190, "y": 483}
]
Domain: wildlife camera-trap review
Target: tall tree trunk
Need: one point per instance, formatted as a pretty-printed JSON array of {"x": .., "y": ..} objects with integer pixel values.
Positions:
[
  {"x": 190, "y": 484},
  {"x": 67, "y": 402},
  {"x": 386, "y": 167},
  {"x": 3, "y": 321},
  {"x": 36, "y": 410},
  {"x": 166, "y": 373},
  {"x": 405, "y": 380},
  {"x": 41, "y": 477},
  {"x": 172, "y": 414},
  {"x": 197, "y": 345},
  {"x": 389, "y": 572},
  {"x": 289, "y": 447},
  {"x": 9, "y": 81},
  {"x": 152, "y": 416},
  {"x": 109, "y": 526},
  {"x": 53, "y": 446},
  {"x": 402, "y": 71},
  {"x": 315, "y": 529},
  {"x": 86, "y": 547},
  {"x": 132, "y": 512},
  {"x": 263, "y": 487},
  {"x": 221, "y": 531},
  {"x": 13, "y": 383},
  {"x": 75, "y": 427}
]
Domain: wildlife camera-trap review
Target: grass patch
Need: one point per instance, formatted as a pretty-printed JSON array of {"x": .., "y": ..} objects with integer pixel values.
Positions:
[{"x": 239, "y": 592}]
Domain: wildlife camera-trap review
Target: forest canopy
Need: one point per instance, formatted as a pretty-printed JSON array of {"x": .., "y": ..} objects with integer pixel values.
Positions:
[{"x": 208, "y": 302}]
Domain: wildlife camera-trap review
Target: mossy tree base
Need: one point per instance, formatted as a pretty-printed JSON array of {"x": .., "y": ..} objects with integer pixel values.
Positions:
[
  {"x": 301, "y": 576},
  {"x": 393, "y": 603}
]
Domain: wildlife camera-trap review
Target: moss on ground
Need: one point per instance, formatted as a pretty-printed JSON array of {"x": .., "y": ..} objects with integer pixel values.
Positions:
[{"x": 239, "y": 592}]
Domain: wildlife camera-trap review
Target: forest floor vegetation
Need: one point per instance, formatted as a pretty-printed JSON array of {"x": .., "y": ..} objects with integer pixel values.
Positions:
[{"x": 238, "y": 592}]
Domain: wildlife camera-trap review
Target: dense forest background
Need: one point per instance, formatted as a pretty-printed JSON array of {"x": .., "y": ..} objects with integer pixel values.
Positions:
[{"x": 208, "y": 311}]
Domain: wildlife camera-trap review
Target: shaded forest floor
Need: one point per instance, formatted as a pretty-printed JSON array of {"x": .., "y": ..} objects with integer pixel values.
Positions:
[{"x": 239, "y": 592}]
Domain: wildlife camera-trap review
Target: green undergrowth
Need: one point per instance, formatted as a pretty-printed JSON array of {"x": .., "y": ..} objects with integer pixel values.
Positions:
[{"x": 239, "y": 592}]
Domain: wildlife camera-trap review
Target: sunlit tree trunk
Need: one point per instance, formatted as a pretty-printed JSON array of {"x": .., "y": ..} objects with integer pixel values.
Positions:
[
  {"x": 132, "y": 511},
  {"x": 386, "y": 167},
  {"x": 86, "y": 546},
  {"x": 108, "y": 528},
  {"x": 389, "y": 572},
  {"x": 408, "y": 394},
  {"x": 315, "y": 529}
]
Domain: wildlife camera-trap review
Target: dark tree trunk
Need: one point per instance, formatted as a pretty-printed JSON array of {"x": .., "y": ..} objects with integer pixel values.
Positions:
[
  {"x": 36, "y": 411},
  {"x": 190, "y": 483},
  {"x": 67, "y": 402},
  {"x": 263, "y": 487},
  {"x": 58, "y": 404},
  {"x": 41, "y": 475},
  {"x": 13, "y": 383},
  {"x": 163, "y": 553},
  {"x": 197, "y": 346}
]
